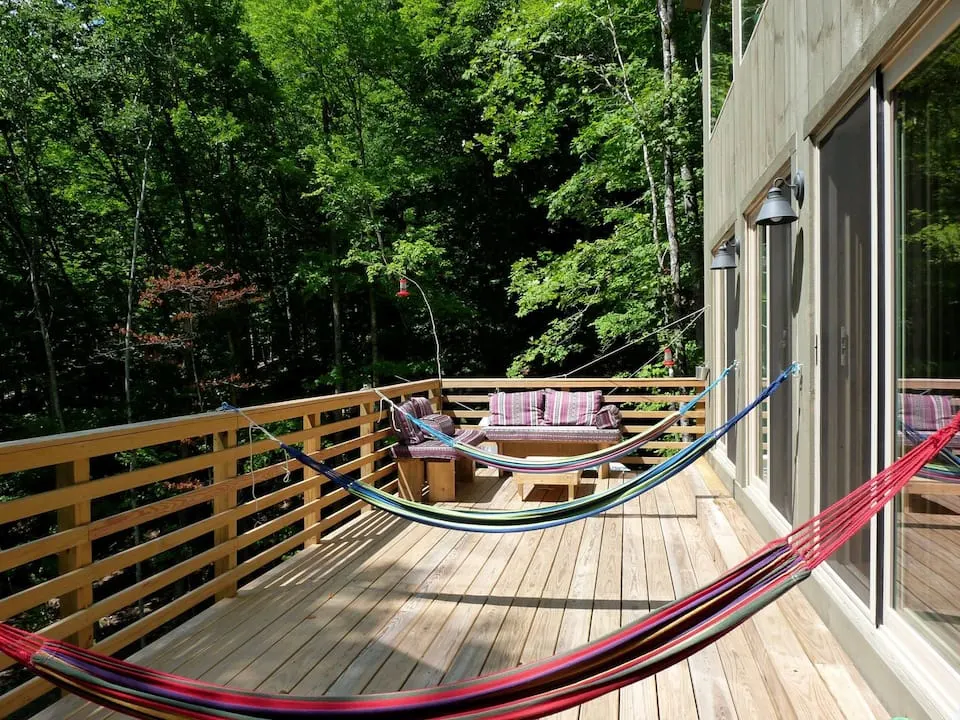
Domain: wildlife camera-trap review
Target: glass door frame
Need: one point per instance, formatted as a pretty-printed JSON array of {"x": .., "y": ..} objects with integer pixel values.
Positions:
[
  {"x": 751, "y": 373},
  {"x": 753, "y": 269},
  {"x": 719, "y": 409},
  {"x": 941, "y": 682}
]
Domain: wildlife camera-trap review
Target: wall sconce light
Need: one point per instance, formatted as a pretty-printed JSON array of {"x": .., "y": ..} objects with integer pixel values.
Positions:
[
  {"x": 725, "y": 258},
  {"x": 776, "y": 209}
]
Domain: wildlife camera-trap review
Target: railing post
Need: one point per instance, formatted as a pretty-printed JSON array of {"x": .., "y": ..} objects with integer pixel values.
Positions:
[
  {"x": 79, "y": 556},
  {"x": 366, "y": 428},
  {"x": 435, "y": 394},
  {"x": 221, "y": 503},
  {"x": 311, "y": 445}
]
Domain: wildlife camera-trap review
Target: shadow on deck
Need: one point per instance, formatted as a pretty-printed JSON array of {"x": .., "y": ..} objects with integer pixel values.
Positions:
[{"x": 385, "y": 604}]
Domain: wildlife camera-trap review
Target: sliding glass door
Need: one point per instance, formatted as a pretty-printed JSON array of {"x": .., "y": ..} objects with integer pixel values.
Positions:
[
  {"x": 845, "y": 339},
  {"x": 926, "y": 561}
]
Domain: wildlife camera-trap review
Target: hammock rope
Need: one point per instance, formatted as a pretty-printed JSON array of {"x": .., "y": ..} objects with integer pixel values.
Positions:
[
  {"x": 574, "y": 462},
  {"x": 638, "y": 650},
  {"x": 503, "y": 521}
]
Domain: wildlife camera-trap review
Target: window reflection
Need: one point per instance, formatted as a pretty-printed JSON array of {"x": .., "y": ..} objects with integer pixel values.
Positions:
[
  {"x": 749, "y": 16},
  {"x": 721, "y": 54},
  {"x": 927, "y": 560}
]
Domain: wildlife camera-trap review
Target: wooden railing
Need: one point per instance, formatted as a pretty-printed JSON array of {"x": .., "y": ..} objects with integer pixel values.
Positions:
[{"x": 114, "y": 536}]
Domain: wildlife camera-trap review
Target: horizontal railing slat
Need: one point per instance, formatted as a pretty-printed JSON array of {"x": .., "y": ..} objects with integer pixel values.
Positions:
[{"x": 20, "y": 508}]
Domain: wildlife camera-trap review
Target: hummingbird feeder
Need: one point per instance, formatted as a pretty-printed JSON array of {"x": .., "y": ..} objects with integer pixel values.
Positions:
[{"x": 667, "y": 357}]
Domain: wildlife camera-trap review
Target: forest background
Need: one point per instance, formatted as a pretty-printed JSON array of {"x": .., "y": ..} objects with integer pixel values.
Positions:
[{"x": 207, "y": 200}]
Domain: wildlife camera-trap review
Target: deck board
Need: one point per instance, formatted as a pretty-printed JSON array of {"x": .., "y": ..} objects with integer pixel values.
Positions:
[
  {"x": 386, "y": 604},
  {"x": 605, "y": 617}
]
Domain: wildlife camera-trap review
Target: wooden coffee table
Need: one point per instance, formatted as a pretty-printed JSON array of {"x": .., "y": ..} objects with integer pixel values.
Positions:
[{"x": 571, "y": 478}]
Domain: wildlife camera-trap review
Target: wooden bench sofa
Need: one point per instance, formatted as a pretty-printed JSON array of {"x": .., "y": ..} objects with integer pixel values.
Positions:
[
  {"x": 553, "y": 423},
  {"x": 422, "y": 460}
]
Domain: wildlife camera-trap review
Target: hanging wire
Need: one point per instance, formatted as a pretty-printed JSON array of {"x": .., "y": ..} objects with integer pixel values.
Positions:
[
  {"x": 696, "y": 314},
  {"x": 675, "y": 338}
]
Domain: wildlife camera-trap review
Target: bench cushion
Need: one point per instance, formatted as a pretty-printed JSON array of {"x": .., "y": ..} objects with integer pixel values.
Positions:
[
  {"x": 441, "y": 423},
  {"x": 418, "y": 407},
  {"x": 925, "y": 412},
  {"x": 520, "y": 408},
  {"x": 608, "y": 417},
  {"x": 437, "y": 450},
  {"x": 555, "y": 433},
  {"x": 570, "y": 408}
]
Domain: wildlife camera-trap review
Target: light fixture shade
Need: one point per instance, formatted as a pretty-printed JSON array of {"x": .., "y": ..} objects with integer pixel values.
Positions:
[
  {"x": 776, "y": 209},
  {"x": 725, "y": 257}
]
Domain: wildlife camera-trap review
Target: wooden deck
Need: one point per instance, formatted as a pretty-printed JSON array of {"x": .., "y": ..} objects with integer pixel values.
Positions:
[{"x": 386, "y": 604}]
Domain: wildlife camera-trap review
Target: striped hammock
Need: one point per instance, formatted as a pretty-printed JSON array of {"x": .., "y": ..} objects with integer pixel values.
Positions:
[
  {"x": 636, "y": 651},
  {"x": 535, "y": 518},
  {"x": 574, "y": 462},
  {"x": 946, "y": 471}
]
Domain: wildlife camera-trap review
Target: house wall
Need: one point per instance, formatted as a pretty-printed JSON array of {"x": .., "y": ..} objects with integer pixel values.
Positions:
[{"x": 806, "y": 62}]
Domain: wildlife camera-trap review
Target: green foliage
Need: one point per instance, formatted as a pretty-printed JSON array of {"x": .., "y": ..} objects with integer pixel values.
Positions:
[{"x": 578, "y": 89}]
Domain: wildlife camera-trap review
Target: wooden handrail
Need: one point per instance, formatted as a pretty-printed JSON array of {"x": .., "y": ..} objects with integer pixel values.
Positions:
[
  {"x": 20, "y": 455},
  {"x": 205, "y": 503},
  {"x": 592, "y": 383}
]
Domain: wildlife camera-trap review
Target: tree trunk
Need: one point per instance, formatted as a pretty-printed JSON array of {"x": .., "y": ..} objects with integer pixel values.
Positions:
[
  {"x": 53, "y": 385},
  {"x": 288, "y": 315},
  {"x": 690, "y": 206},
  {"x": 336, "y": 301},
  {"x": 654, "y": 204},
  {"x": 665, "y": 12},
  {"x": 31, "y": 253}
]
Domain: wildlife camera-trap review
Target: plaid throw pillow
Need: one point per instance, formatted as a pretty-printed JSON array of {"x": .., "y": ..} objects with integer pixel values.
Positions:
[
  {"x": 410, "y": 434},
  {"x": 522, "y": 408},
  {"x": 608, "y": 418},
  {"x": 571, "y": 408},
  {"x": 440, "y": 423},
  {"x": 925, "y": 413}
]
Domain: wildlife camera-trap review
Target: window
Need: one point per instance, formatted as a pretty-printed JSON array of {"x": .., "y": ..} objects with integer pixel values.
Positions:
[
  {"x": 721, "y": 55},
  {"x": 927, "y": 212},
  {"x": 845, "y": 339},
  {"x": 749, "y": 16}
]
